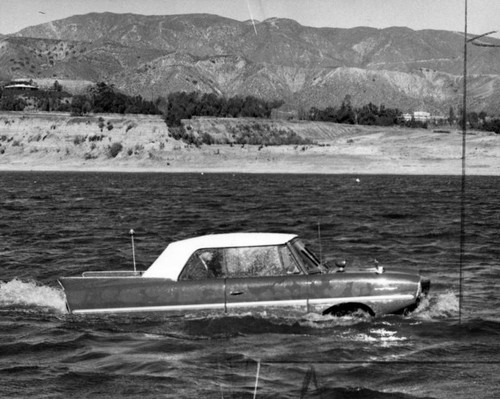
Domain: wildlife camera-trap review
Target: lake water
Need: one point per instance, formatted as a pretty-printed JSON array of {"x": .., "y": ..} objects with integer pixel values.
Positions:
[{"x": 55, "y": 224}]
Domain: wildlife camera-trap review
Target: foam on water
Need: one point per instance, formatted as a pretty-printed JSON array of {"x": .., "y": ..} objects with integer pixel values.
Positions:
[
  {"x": 320, "y": 321},
  {"x": 438, "y": 306},
  {"x": 29, "y": 293},
  {"x": 281, "y": 318}
]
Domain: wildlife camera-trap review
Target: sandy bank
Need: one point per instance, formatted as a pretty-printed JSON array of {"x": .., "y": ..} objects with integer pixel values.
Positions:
[{"x": 142, "y": 143}]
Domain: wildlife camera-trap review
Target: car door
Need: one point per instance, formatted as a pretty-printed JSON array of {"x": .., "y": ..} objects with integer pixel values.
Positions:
[
  {"x": 264, "y": 278},
  {"x": 201, "y": 284}
]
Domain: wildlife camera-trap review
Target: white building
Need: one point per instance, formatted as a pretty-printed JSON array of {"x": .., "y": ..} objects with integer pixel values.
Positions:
[{"x": 421, "y": 116}]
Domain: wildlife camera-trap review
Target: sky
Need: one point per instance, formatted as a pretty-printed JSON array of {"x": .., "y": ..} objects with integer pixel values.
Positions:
[{"x": 483, "y": 15}]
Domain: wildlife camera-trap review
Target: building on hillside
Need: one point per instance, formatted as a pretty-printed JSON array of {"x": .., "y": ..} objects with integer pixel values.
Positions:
[
  {"x": 21, "y": 84},
  {"x": 423, "y": 116}
]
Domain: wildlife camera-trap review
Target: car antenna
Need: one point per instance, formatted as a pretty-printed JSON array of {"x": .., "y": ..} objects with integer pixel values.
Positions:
[
  {"x": 319, "y": 241},
  {"x": 132, "y": 233}
]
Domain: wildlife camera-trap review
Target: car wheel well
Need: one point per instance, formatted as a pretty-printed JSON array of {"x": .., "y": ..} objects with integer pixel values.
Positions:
[{"x": 344, "y": 309}]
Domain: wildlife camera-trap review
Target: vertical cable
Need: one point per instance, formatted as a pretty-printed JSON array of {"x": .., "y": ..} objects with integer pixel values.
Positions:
[{"x": 462, "y": 200}]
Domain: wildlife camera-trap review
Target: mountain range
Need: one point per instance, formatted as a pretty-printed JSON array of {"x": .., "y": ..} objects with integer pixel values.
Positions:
[{"x": 272, "y": 59}]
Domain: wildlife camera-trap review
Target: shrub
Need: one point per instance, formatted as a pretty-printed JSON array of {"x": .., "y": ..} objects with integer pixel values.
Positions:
[
  {"x": 88, "y": 156},
  {"x": 115, "y": 149},
  {"x": 101, "y": 123},
  {"x": 96, "y": 137},
  {"x": 206, "y": 138},
  {"x": 78, "y": 140}
]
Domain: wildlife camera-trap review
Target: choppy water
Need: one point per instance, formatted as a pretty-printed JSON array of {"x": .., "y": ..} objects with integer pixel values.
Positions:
[{"x": 54, "y": 224}]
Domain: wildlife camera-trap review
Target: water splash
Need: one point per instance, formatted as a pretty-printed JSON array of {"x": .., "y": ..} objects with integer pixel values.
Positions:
[
  {"x": 281, "y": 318},
  {"x": 320, "y": 321},
  {"x": 438, "y": 306},
  {"x": 28, "y": 293}
]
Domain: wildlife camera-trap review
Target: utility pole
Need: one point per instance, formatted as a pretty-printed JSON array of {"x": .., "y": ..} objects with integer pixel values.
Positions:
[{"x": 464, "y": 143}]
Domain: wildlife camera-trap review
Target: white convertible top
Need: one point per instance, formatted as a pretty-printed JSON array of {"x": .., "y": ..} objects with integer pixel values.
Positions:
[{"x": 172, "y": 260}]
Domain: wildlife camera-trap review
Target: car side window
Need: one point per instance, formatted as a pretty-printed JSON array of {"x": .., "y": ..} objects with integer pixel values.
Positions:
[
  {"x": 203, "y": 264},
  {"x": 260, "y": 261},
  {"x": 240, "y": 262}
]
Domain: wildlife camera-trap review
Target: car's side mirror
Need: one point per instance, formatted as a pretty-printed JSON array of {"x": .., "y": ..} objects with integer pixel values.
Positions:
[
  {"x": 340, "y": 265},
  {"x": 379, "y": 269}
]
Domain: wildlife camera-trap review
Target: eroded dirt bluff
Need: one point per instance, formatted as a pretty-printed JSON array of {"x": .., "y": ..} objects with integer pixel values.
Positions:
[
  {"x": 48, "y": 141},
  {"x": 50, "y": 138}
]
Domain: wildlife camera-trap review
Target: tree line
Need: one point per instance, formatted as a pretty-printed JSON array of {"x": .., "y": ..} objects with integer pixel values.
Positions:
[
  {"x": 182, "y": 105},
  {"x": 104, "y": 98},
  {"x": 481, "y": 121},
  {"x": 52, "y": 99},
  {"x": 369, "y": 114},
  {"x": 100, "y": 98}
]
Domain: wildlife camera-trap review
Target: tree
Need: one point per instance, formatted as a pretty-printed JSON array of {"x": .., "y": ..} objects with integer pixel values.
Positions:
[
  {"x": 346, "y": 113},
  {"x": 473, "y": 119},
  {"x": 80, "y": 105},
  {"x": 368, "y": 114},
  {"x": 12, "y": 103},
  {"x": 451, "y": 116},
  {"x": 57, "y": 86}
]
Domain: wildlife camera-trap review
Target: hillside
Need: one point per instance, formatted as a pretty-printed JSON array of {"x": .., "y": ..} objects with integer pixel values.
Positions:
[
  {"x": 143, "y": 143},
  {"x": 305, "y": 66}
]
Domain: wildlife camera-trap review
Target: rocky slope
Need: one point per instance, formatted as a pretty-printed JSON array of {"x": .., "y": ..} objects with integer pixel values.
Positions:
[{"x": 155, "y": 55}]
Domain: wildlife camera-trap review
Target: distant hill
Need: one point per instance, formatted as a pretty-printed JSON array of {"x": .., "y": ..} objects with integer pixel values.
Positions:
[{"x": 305, "y": 66}]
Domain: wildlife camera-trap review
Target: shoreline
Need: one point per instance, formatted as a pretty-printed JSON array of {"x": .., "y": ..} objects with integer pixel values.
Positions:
[
  {"x": 45, "y": 142},
  {"x": 426, "y": 170}
]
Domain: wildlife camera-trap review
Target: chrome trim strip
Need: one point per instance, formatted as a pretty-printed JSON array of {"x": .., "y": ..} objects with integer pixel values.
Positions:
[
  {"x": 153, "y": 308},
  {"x": 292, "y": 302},
  {"x": 373, "y": 298}
]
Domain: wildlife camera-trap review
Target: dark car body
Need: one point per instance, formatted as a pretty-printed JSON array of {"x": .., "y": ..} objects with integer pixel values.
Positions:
[{"x": 243, "y": 272}]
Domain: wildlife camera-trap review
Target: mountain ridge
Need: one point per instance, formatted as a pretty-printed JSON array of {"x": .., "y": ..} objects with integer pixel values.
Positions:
[{"x": 305, "y": 66}]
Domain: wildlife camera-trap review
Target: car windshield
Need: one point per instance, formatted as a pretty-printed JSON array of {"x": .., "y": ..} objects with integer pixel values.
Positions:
[{"x": 308, "y": 258}]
